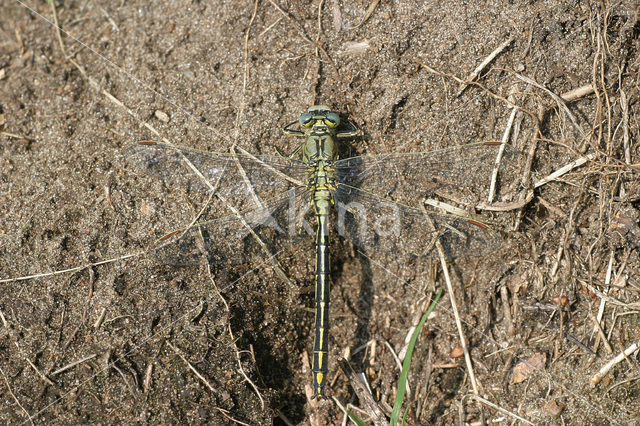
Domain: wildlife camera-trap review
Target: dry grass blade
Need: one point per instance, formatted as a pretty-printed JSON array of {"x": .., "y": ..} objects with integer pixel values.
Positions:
[
  {"x": 524, "y": 199},
  {"x": 564, "y": 169},
  {"x": 367, "y": 15},
  {"x": 376, "y": 415},
  {"x": 505, "y": 139},
  {"x": 598, "y": 318},
  {"x": 454, "y": 309},
  {"x": 500, "y": 409}
]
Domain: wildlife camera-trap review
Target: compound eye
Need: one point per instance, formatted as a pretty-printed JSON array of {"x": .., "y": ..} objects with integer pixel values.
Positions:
[
  {"x": 332, "y": 120},
  {"x": 306, "y": 120}
]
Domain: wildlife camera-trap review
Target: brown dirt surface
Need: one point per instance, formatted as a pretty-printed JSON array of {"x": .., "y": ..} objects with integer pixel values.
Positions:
[{"x": 163, "y": 339}]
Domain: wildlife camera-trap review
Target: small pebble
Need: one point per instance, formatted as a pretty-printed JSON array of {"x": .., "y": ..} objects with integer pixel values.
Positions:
[
  {"x": 162, "y": 116},
  {"x": 456, "y": 352}
]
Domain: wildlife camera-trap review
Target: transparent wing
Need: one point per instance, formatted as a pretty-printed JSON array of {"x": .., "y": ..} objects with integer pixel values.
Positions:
[
  {"x": 462, "y": 171},
  {"x": 393, "y": 232},
  {"x": 239, "y": 237},
  {"x": 236, "y": 176}
]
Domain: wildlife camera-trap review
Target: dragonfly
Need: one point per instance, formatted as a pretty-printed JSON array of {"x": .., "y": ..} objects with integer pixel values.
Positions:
[{"x": 372, "y": 201}]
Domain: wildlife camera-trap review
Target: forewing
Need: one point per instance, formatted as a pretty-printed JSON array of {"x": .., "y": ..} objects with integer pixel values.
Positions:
[
  {"x": 239, "y": 177},
  {"x": 462, "y": 172}
]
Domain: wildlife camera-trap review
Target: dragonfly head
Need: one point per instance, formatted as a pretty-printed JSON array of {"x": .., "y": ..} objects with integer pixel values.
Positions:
[{"x": 319, "y": 116}]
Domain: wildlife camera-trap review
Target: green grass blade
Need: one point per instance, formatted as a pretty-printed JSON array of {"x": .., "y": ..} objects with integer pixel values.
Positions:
[
  {"x": 402, "y": 382},
  {"x": 406, "y": 413},
  {"x": 355, "y": 418}
]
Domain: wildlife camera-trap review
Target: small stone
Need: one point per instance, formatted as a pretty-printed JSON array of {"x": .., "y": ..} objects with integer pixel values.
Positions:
[
  {"x": 553, "y": 409},
  {"x": 162, "y": 116},
  {"x": 146, "y": 209},
  {"x": 527, "y": 367},
  {"x": 456, "y": 352}
]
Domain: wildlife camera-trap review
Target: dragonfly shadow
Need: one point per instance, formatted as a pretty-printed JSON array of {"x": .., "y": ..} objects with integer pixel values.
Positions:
[
  {"x": 349, "y": 235},
  {"x": 365, "y": 303},
  {"x": 273, "y": 366},
  {"x": 361, "y": 333}
]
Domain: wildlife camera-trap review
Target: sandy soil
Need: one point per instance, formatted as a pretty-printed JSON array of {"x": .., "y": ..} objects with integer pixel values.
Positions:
[{"x": 149, "y": 339}]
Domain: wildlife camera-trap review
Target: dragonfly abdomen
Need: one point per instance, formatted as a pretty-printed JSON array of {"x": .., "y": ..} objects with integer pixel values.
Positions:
[{"x": 320, "y": 346}]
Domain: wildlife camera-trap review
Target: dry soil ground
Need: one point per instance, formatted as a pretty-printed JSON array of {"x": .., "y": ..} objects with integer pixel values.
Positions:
[{"x": 151, "y": 340}]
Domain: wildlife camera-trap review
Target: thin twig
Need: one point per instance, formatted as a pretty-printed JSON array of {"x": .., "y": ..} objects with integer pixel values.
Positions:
[
  {"x": 399, "y": 362},
  {"x": 40, "y": 373},
  {"x": 601, "y": 334},
  {"x": 288, "y": 422},
  {"x": 15, "y": 136},
  {"x": 73, "y": 364},
  {"x": 314, "y": 419},
  {"x": 577, "y": 93},
  {"x": 522, "y": 201},
  {"x": 225, "y": 413},
  {"x": 558, "y": 100},
  {"x": 567, "y": 232},
  {"x": 291, "y": 21},
  {"x": 57, "y": 27},
  {"x": 6, "y": 380},
  {"x": 132, "y": 391},
  {"x": 598, "y": 319},
  {"x": 74, "y": 269},
  {"x": 613, "y": 300},
  {"x": 276, "y": 265},
  {"x": 4, "y": 320},
  {"x": 245, "y": 77},
  {"x": 475, "y": 83},
  {"x": 100, "y": 319},
  {"x": 484, "y": 63},
  {"x": 266, "y": 30},
  {"x": 304, "y": 36},
  {"x": 191, "y": 367},
  {"x": 372, "y": 7},
  {"x": 271, "y": 168},
  {"x": 148, "y": 376},
  {"x": 624, "y": 106},
  {"x": 506, "y": 309},
  {"x": 109, "y": 18},
  {"x": 596, "y": 378}
]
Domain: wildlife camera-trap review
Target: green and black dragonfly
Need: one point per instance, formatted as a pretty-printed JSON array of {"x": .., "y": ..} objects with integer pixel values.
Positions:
[{"x": 378, "y": 202}]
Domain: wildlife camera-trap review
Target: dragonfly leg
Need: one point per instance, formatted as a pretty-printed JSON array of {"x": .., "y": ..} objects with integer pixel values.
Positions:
[
  {"x": 351, "y": 133},
  {"x": 284, "y": 155},
  {"x": 295, "y": 151},
  {"x": 287, "y": 130}
]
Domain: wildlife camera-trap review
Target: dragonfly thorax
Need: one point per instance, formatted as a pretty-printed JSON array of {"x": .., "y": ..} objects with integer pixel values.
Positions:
[{"x": 321, "y": 147}]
